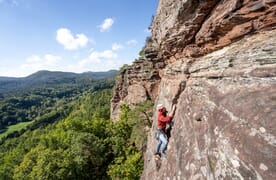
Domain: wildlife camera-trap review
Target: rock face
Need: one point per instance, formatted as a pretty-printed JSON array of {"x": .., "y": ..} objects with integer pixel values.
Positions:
[
  {"x": 217, "y": 60},
  {"x": 224, "y": 126},
  {"x": 137, "y": 83},
  {"x": 192, "y": 27}
]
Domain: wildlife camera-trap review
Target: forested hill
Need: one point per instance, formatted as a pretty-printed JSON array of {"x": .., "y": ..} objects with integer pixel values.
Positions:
[
  {"x": 63, "y": 131},
  {"x": 43, "y": 97},
  {"x": 53, "y": 78}
]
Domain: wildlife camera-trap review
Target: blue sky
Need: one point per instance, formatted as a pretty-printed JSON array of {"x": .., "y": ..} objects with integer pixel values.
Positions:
[{"x": 71, "y": 35}]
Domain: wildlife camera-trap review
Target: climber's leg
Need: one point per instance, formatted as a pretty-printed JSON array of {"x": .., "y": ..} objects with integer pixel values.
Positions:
[
  {"x": 158, "y": 146},
  {"x": 164, "y": 144}
]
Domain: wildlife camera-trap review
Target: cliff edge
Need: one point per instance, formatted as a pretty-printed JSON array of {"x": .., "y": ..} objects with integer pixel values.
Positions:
[{"x": 218, "y": 60}]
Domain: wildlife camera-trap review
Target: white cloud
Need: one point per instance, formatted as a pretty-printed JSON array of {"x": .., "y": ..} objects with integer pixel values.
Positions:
[
  {"x": 98, "y": 57},
  {"x": 66, "y": 38},
  {"x": 33, "y": 59},
  {"x": 106, "y": 25},
  {"x": 107, "y": 54},
  {"x": 94, "y": 61},
  {"x": 98, "y": 61},
  {"x": 35, "y": 62},
  {"x": 116, "y": 46},
  {"x": 131, "y": 42},
  {"x": 51, "y": 59}
]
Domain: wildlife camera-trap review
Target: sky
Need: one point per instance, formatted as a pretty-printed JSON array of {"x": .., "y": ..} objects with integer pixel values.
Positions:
[{"x": 71, "y": 35}]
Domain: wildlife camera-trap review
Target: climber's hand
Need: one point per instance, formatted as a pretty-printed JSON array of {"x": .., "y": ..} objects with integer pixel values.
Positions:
[{"x": 173, "y": 110}]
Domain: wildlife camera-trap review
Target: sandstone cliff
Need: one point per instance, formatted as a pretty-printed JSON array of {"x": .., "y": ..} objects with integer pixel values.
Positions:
[
  {"x": 217, "y": 58},
  {"x": 224, "y": 127}
]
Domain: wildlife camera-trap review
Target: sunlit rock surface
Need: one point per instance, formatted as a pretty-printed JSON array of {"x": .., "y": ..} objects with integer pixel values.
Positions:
[
  {"x": 217, "y": 60},
  {"x": 224, "y": 127}
]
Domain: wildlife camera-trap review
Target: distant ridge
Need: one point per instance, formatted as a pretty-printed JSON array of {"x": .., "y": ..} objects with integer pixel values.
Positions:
[
  {"x": 44, "y": 78},
  {"x": 100, "y": 74}
]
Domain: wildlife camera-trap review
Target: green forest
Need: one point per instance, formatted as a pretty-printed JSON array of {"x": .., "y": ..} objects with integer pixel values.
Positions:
[
  {"x": 39, "y": 96},
  {"x": 71, "y": 136}
]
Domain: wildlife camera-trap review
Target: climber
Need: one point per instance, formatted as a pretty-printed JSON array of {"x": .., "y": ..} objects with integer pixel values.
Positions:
[{"x": 162, "y": 137}]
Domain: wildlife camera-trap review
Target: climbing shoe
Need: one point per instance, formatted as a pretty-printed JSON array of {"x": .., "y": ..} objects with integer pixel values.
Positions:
[{"x": 157, "y": 155}]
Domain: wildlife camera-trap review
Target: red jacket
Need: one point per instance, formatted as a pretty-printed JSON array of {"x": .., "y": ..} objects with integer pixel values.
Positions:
[{"x": 163, "y": 119}]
